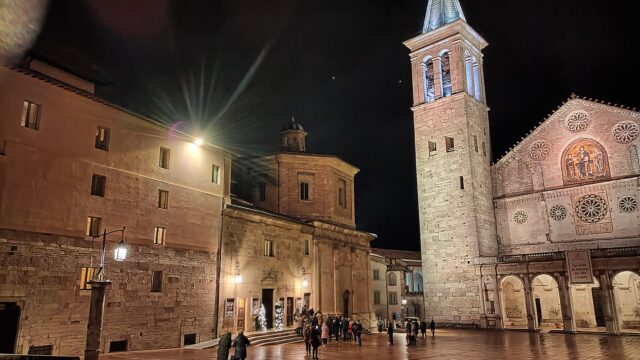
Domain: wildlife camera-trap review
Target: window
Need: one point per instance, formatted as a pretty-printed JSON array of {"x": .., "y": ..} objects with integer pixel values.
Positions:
[
  {"x": 393, "y": 298},
  {"x": 102, "y": 138},
  {"x": 86, "y": 274},
  {"x": 163, "y": 199},
  {"x": 41, "y": 350},
  {"x": 304, "y": 191},
  {"x": 190, "y": 339},
  {"x": 215, "y": 174},
  {"x": 461, "y": 182},
  {"x": 158, "y": 237},
  {"x": 164, "y": 158},
  {"x": 342, "y": 193},
  {"x": 484, "y": 149},
  {"x": 475, "y": 142},
  {"x": 427, "y": 78},
  {"x": 449, "y": 144},
  {"x": 268, "y": 248},
  {"x": 93, "y": 226},
  {"x": 432, "y": 148},
  {"x": 262, "y": 192},
  {"x": 120, "y": 345},
  {"x": 376, "y": 297},
  {"x": 98, "y": 184},
  {"x": 393, "y": 280},
  {"x": 376, "y": 274},
  {"x": 156, "y": 281},
  {"x": 30, "y": 115},
  {"x": 445, "y": 72},
  {"x": 307, "y": 249}
]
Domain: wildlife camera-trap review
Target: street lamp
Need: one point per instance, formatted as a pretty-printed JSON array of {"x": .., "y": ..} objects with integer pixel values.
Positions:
[
  {"x": 99, "y": 283},
  {"x": 237, "y": 278},
  {"x": 305, "y": 282}
]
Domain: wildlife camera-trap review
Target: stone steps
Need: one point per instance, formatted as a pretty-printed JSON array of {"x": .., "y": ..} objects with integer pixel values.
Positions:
[{"x": 261, "y": 338}]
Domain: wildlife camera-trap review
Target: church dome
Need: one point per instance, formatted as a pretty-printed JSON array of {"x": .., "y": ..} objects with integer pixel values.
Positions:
[{"x": 293, "y": 125}]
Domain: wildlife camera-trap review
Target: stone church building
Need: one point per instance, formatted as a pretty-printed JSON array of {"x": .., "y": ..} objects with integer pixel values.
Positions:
[{"x": 549, "y": 235}]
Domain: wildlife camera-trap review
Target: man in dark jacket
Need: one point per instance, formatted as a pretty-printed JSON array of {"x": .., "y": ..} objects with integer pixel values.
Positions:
[
  {"x": 357, "y": 331},
  {"x": 345, "y": 328},
  {"x": 423, "y": 328},
  {"x": 336, "y": 328},
  {"x": 390, "y": 332},
  {"x": 224, "y": 345},
  {"x": 432, "y": 326},
  {"x": 240, "y": 343}
]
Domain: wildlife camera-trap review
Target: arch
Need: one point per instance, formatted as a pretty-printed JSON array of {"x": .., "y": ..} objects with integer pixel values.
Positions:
[
  {"x": 588, "y": 311},
  {"x": 468, "y": 66},
  {"x": 445, "y": 74},
  {"x": 477, "y": 89},
  {"x": 546, "y": 298},
  {"x": 626, "y": 295},
  {"x": 418, "y": 282},
  {"x": 514, "y": 311},
  {"x": 428, "y": 80},
  {"x": 584, "y": 160},
  {"x": 393, "y": 279}
]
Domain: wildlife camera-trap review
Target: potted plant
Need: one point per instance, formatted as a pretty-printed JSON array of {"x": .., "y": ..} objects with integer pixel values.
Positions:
[{"x": 555, "y": 312}]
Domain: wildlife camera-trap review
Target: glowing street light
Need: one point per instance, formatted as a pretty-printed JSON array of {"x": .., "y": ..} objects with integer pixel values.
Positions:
[
  {"x": 198, "y": 141},
  {"x": 305, "y": 282},
  {"x": 237, "y": 278}
]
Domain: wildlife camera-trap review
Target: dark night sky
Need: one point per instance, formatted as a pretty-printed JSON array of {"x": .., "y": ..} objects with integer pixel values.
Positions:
[{"x": 238, "y": 69}]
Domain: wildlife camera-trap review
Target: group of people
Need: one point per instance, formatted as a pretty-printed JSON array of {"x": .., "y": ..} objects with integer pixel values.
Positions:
[
  {"x": 240, "y": 344},
  {"x": 318, "y": 330},
  {"x": 411, "y": 329}
]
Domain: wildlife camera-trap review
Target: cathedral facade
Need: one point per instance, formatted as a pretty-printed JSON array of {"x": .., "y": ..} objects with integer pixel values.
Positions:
[{"x": 549, "y": 235}]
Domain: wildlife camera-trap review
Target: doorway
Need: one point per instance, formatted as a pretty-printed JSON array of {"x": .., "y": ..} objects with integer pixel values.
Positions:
[
  {"x": 289, "y": 311},
  {"x": 267, "y": 301},
  {"x": 538, "y": 313},
  {"x": 597, "y": 307},
  {"x": 345, "y": 303},
  {"x": 9, "y": 317}
]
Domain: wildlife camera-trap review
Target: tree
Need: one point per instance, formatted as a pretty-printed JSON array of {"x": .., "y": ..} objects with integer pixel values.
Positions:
[
  {"x": 261, "y": 319},
  {"x": 279, "y": 325}
]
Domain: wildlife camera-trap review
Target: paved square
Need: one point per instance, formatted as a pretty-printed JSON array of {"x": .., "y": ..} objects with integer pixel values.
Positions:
[{"x": 448, "y": 344}]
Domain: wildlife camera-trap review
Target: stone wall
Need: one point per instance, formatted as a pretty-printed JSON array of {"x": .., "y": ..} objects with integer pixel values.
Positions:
[{"x": 42, "y": 274}]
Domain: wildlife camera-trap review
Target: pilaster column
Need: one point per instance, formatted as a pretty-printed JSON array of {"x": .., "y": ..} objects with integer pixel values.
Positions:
[
  {"x": 528, "y": 300},
  {"x": 458, "y": 71},
  {"x": 437, "y": 77},
  {"x": 565, "y": 304},
  {"x": 418, "y": 69},
  {"x": 606, "y": 292},
  {"x": 499, "y": 312}
]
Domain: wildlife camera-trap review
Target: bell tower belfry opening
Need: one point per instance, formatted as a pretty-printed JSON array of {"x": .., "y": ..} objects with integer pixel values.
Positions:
[{"x": 457, "y": 223}]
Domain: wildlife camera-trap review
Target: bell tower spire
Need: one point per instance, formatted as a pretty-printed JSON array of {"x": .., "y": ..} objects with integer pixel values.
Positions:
[{"x": 455, "y": 200}]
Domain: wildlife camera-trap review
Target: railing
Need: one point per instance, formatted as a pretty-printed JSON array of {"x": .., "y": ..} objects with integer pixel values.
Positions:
[
  {"x": 560, "y": 255},
  {"x": 366, "y": 322}
]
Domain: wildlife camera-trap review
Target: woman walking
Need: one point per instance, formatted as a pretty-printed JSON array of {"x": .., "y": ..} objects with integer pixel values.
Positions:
[
  {"x": 240, "y": 343},
  {"x": 325, "y": 334},
  {"x": 307, "y": 338},
  {"x": 224, "y": 345}
]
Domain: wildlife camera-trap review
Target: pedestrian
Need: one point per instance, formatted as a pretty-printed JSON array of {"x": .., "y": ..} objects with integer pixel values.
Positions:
[
  {"x": 432, "y": 326},
  {"x": 408, "y": 330},
  {"x": 350, "y": 329},
  {"x": 423, "y": 328},
  {"x": 325, "y": 334},
  {"x": 299, "y": 325},
  {"x": 329, "y": 324},
  {"x": 336, "y": 328},
  {"x": 390, "y": 332},
  {"x": 307, "y": 338},
  {"x": 224, "y": 345},
  {"x": 358, "y": 333},
  {"x": 315, "y": 341},
  {"x": 240, "y": 344},
  {"x": 345, "y": 328},
  {"x": 414, "y": 333}
]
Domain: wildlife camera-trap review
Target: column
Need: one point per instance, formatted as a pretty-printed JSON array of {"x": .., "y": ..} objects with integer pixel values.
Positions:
[
  {"x": 458, "y": 71},
  {"x": 437, "y": 77},
  {"x": 606, "y": 292},
  {"x": 565, "y": 304},
  {"x": 94, "y": 325},
  {"x": 528, "y": 300},
  {"x": 317, "y": 285},
  {"x": 418, "y": 69}
]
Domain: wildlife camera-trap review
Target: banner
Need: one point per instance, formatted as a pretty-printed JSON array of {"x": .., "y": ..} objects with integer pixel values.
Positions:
[{"x": 228, "y": 308}]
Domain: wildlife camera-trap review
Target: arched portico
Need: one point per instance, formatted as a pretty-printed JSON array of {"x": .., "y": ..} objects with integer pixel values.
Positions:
[
  {"x": 626, "y": 294},
  {"x": 512, "y": 300},
  {"x": 547, "y": 307}
]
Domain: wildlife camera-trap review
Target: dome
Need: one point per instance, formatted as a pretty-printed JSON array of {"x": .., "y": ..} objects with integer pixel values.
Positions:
[{"x": 293, "y": 125}]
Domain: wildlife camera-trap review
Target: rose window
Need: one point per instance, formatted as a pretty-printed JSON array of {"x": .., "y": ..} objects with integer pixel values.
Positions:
[
  {"x": 625, "y": 132},
  {"x": 628, "y": 204},
  {"x": 558, "y": 212},
  {"x": 539, "y": 150},
  {"x": 591, "y": 208},
  {"x": 578, "y": 121},
  {"x": 520, "y": 217}
]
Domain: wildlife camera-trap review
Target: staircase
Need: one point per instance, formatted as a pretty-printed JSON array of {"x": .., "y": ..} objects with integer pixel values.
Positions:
[{"x": 260, "y": 338}]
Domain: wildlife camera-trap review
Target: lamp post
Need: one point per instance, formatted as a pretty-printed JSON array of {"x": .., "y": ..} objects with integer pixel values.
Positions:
[
  {"x": 99, "y": 283},
  {"x": 305, "y": 281}
]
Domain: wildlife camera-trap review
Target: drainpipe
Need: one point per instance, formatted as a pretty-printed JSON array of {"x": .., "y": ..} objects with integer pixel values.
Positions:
[{"x": 216, "y": 308}]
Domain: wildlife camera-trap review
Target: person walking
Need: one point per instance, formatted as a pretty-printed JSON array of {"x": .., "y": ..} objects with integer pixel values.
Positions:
[
  {"x": 390, "y": 332},
  {"x": 336, "y": 328},
  {"x": 299, "y": 325},
  {"x": 423, "y": 328},
  {"x": 408, "y": 335},
  {"x": 414, "y": 333},
  {"x": 432, "y": 326},
  {"x": 224, "y": 345},
  {"x": 315, "y": 341},
  {"x": 240, "y": 344},
  {"x": 358, "y": 333},
  {"x": 345, "y": 328},
  {"x": 307, "y": 338},
  {"x": 325, "y": 334}
]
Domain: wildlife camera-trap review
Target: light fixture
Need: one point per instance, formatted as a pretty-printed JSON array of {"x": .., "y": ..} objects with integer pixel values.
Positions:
[
  {"x": 404, "y": 301},
  {"x": 198, "y": 141},
  {"x": 237, "y": 278},
  {"x": 305, "y": 282},
  {"x": 120, "y": 253}
]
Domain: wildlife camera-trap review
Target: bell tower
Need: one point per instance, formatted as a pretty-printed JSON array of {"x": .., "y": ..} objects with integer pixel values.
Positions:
[{"x": 457, "y": 223}]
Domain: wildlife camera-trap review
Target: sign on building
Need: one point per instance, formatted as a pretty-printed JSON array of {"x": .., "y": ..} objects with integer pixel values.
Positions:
[
  {"x": 579, "y": 267},
  {"x": 228, "y": 308}
]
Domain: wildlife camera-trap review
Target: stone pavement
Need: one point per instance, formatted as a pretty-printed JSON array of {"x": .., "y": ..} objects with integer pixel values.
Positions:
[{"x": 448, "y": 344}]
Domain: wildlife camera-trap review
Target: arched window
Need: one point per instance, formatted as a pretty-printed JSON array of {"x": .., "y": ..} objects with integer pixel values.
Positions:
[
  {"x": 427, "y": 79},
  {"x": 468, "y": 65},
  {"x": 476, "y": 78},
  {"x": 393, "y": 280},
  {"x": 445, "y": 72}
]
